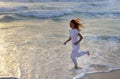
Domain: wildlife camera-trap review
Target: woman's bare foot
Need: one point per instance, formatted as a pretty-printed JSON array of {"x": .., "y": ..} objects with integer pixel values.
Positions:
[
  {"x": 88, "y": 53},
  {"x": 76, "y": 67}
]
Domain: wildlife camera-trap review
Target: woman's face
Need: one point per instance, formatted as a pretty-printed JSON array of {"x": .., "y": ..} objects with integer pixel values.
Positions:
[{"x": 72, "y": 25}]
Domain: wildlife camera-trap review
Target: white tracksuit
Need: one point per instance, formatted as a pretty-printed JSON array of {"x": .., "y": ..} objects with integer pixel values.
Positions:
[{"x": 75, "y": 48}]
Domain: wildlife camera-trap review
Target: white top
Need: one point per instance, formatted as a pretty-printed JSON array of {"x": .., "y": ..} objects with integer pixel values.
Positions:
[{"x": 74, "y": 35}]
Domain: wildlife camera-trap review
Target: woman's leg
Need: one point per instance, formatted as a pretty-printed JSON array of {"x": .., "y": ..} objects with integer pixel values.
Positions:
[
  {"x": 73, "y": 57},
  {"x": 75, "y": 53},
  {"x": 82, "y": 53}
]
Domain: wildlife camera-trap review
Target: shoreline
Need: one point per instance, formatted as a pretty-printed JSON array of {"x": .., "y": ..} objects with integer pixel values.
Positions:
[{"x": 115, "y": 74}]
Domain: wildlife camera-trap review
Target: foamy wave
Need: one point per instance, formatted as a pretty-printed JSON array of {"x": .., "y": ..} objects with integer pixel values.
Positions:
[
  {"x": 95, "y": 68},
  {"x": 52, "y": 0},
  {"x": 45, "y": 13},
  {"x": 115, "y": 38},
  {"x": 12, "y": 9},
  {"x": 8, "y": 18},
  {"x": 104, "y": 67},
  {"x": 82, "y": 10},
  {"x": 107, "y": 42},
  {"x": 57, "y": 12}
]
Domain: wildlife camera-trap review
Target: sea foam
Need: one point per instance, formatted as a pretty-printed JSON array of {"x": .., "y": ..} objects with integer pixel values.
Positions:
[{"x": 45, "y": 13}]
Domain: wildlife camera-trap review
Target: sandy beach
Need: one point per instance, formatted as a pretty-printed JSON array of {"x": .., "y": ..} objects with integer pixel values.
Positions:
[{"x": 109, "y": 75}]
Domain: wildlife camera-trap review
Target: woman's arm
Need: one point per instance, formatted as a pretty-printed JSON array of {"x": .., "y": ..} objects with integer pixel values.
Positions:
[
  {"x": 67, "y": 40},
  {"x": 81, "y": 37}
]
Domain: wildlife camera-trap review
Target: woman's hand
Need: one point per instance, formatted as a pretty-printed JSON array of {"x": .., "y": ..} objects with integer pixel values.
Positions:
[
  {"x": 65, "y": 43},
  {"x": 76, "y": 43}
]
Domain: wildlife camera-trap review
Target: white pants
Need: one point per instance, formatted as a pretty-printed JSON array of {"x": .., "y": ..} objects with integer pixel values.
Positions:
[{"x": 75, "y": 53}]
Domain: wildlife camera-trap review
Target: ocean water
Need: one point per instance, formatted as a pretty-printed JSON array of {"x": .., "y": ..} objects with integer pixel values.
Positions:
[{"x": 32, "y": 36}]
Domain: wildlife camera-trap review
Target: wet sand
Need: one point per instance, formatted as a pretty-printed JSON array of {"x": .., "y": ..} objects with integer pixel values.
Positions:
[{"x": 109, "y": 75}]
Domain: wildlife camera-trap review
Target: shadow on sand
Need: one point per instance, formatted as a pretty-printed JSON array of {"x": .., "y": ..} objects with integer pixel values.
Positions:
[{"x": 8, "y": 78}]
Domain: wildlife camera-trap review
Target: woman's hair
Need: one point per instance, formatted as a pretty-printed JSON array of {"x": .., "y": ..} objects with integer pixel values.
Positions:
[{"x": 77, "y": 24}]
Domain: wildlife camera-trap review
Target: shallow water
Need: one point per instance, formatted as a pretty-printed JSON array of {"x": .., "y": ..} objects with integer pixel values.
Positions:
[{"x": 31, "y": 44}]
